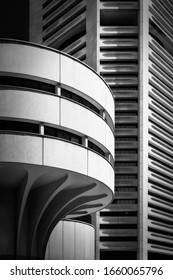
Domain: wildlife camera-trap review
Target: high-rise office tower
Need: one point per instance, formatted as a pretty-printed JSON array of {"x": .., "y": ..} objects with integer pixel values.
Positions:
[{"x": 130, "y": 43}]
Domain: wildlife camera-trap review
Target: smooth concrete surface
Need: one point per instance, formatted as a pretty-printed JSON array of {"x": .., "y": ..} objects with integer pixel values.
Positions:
[
  {"x": 29, "y": 105},
  {"x": 29, "y": 60},
  {"x": 45, "y": 179},
  {"x": 99, "y": 168},
  {"x": 21, "y": 148},
  {"x": 74, "y": 158}
]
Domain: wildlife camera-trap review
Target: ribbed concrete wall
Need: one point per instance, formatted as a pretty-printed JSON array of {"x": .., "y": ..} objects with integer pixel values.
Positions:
[{"x": 71, "y": 240}]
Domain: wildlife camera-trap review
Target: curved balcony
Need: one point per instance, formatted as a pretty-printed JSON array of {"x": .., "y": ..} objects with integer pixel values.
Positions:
[
  {"x": 55, "y": 67},
  {"x": 53, "y": 164},
  {"x": 36, "y": 106}
]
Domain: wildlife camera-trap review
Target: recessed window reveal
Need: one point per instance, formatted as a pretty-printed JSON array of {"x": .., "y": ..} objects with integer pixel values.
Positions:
[
  {"x": 47, "y": 87},
  {"x": 26, "y": 127}
]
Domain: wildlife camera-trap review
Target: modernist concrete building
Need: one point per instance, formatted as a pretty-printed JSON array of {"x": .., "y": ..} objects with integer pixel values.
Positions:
[
  {"x": 56, "y": 152},
  {"x": 130, "y": 43}
]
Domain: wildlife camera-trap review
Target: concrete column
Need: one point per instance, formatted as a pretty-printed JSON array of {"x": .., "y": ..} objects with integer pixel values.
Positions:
[
  {"x": 35, "y": 30},
  {"x": 143, "y": 133},
  {"x": 41, "y": 129},
  {"x": 58, "y": 90},
  {"x": 92, "y": 33},
  {"x": 85, "y": 141}
]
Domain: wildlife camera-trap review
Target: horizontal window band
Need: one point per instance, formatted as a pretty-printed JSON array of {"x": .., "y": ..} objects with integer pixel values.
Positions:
[
  {"x": 94, "y": 147},
  {"x": 118, "y": 238},
  {"x": 18, "y": 126},
  {"x": 118, "y": 226},
  {"x": 26, "y": 83},
  {"x": 118, "y": 214},
  {"x": 103, "y": 114},
  {"x": 51, "y": 131},
  {"x": 26, "y": 127},
  {"x": 29, "y": 84},
  {"x": 70, "y": 95}
]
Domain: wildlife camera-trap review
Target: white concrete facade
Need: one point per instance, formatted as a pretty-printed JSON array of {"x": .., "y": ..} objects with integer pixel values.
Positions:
[{"x": 54, "y": 138}]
